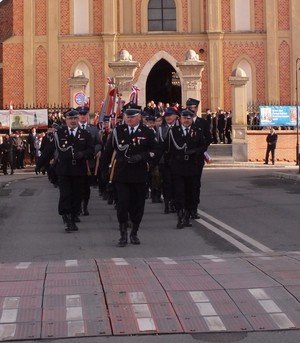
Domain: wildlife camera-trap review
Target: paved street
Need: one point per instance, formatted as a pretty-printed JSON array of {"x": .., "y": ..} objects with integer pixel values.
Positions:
[{"x": 206, "y": 283}]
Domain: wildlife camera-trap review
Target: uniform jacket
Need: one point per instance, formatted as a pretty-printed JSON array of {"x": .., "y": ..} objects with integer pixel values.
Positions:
[
  {"x": 204, "y": 125},
  {"x": 186, "y": 151},
  {"x": 143, "y": 143},
  {"x": 71, "y": 153},
  {"x": 93, "y": 130}
]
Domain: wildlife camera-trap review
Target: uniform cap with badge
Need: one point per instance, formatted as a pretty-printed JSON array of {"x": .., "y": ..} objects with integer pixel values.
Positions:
[
  {"x": 171, "y": 111},
  {"x": 82, "y": 110},
  {"x": 187, "y": 114},
  {"x": 132, "y": 110},
  {"x": 71, "y": 113},
  {"x": 192, "y": 102}
]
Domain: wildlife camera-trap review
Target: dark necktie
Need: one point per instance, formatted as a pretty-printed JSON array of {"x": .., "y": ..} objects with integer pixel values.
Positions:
[
  {"x": 187, "y": 131},
  {"x": 131, "y": 131},
  {"x": 83, "y": 127},
  {"x": 72, "y": 132}
]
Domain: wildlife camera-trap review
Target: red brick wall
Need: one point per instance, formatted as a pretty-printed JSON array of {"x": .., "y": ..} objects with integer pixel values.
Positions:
[
  {"x": 284, "y": 73},
  {"x": 98, "y": 16},
  {"x": 13, "y": 74},
  {"x": 6, "y": 20},
  {"x": 40, "y": 17},
  {"x": 285, "y": 149},
  {"x": 226, "y": 15},
  {"x": 138, "y": 16},
  {"x": 64, "y": 17},
  {"x": 71, "y": 53},
  {"x": 283, "y": 15},
  {"x": 6, "y": 29},
  {"x": 18, "y": 10},
  {"x": 41, "y": 76},
  {"x": 259, "y": 15},
  {"x": 184, "y": 16},
  {"x": 256, "y": 51}
]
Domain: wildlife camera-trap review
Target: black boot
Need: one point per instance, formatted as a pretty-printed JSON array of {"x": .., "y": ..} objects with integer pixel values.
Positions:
[
  {"x": 153, "y": 195},
  {"x": 194, "y": 214},
  {"x": 85, "y": 211},
  {"x": 158, "y": 197},
  {"x": 180, "y": 223},
  {"x": 167, "y": 206},
  {"x": 172, "y": 207},
  {"x": 67, "y": 221},
  {"x": 133, "y": 234},
  {"x": 186, "y": 219},
  {"x": 110, "y": 198},
  {"x": 123, "y": 239},
  {"x": 74, "y": 218}
]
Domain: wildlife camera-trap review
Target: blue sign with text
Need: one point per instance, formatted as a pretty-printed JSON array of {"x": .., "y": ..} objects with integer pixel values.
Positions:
[{"x": 278, "y": 115}]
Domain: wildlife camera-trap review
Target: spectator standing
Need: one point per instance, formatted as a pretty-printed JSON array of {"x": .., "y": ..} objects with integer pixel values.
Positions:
[
  {"x": 31, "y": 145},
  {"x": 271, "y": 140}
]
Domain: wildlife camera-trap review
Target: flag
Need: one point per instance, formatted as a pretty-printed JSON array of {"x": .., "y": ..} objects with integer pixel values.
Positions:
[
  {"x": 11, "y": 107},
  {"x": 133, "y": 97}
]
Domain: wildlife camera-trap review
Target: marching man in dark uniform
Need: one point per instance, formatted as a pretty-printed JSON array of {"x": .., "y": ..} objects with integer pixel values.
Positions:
[
  {"x": 192, "y": 105},
  {"x": 73, "y": 147},
  {"x": 170, "y": 117},
  {"x": 92, "y": 163},
  {"x": 186, "y": 146},
  {"x": 134, "y": 145}
]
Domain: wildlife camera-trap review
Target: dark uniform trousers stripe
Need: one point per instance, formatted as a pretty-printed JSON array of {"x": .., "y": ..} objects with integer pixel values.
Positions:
[
  {"x": 131, "y": 199},
  {"x": 70, "y": 194}
]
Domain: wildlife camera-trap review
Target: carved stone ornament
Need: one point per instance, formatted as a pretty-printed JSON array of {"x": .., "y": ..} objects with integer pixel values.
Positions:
[
  {"x": 191, "y": 55},
  {"x": 124, "y": 55}
]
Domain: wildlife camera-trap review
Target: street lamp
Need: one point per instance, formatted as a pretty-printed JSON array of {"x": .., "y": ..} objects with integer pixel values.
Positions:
[{"x": 297, "y": 104}]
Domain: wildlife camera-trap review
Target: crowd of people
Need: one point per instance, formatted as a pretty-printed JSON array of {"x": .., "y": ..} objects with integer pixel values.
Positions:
[
  {"x": 157, "y": 152},
  {"x": 15, "y": 147}
]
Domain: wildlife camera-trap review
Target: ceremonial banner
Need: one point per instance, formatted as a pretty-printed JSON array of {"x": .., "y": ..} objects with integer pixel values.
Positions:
[{"x": 23, "y": 119}]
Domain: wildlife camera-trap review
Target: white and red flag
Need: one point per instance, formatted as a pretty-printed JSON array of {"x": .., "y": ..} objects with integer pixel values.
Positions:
[{"x": 134, "y": 95}]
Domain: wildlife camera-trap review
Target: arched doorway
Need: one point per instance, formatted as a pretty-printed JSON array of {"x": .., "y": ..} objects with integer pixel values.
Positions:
[{"x": 163, "y": 84}]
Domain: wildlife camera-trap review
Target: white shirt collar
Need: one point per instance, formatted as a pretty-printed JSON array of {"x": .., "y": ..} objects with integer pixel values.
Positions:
[
  {"x": 74, "y": 131},
  {"x": 134, "y": 128}
]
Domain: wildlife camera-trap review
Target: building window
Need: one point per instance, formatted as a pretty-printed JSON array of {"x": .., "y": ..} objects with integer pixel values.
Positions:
[
  {"x": 81, "y": 17},
  {"x": 161, "y": 15},
  {"x": 242, "y": 15}
]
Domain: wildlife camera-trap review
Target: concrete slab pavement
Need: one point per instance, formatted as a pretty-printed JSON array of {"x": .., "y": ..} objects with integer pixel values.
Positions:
[{"x": 115, "y": 297}]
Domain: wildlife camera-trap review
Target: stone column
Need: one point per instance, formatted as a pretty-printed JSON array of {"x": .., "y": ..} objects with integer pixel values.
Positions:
[
  {"x": 191, "y": 72},
  {"x": 124, "y": 70},
  {"x": 272, "y": 65},
  {"x": 77, "y": 84},
  {"x": 238, "y": 80},
  {"x": 215, "y": 37}
]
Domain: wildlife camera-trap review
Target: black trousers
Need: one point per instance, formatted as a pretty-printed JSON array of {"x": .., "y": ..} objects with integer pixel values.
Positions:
[
  {"x": 70, "y": 191},
  {"x": 186, "y": 192},
  {"x": 167, "y": 182},
  {"x": 131, "y": 201},
  {"x": 198, "y": 186},
  {"x": 270, "y": 149},
  {"x": 86, "y": 187}
]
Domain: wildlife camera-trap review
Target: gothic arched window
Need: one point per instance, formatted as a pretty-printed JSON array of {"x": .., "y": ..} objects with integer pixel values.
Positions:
[{"x": 161, "y": 15}]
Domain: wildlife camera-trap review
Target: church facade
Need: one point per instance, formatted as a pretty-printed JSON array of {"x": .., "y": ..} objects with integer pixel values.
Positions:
[{"x": 51, "y": 49}]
